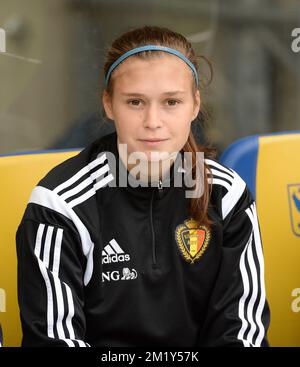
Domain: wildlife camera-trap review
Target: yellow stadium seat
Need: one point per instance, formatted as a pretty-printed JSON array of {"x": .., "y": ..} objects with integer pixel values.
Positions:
[
  {"x": 19, "y": 174},
  {"x": 270, "y": 164}
]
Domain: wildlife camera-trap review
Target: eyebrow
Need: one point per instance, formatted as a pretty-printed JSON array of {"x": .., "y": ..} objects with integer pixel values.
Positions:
[{"x": 171, "y": 93}]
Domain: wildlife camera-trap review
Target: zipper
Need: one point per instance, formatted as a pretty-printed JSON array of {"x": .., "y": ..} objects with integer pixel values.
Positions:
[
  {"x": 160, "y": 189},
  {"x": 160, "y": 192}
]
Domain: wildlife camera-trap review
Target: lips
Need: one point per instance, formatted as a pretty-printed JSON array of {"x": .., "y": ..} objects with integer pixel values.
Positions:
[{"x": 153, "y": 140}]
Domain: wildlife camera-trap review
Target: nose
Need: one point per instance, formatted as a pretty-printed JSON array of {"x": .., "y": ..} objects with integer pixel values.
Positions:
[{"x": 152, "y": 116}]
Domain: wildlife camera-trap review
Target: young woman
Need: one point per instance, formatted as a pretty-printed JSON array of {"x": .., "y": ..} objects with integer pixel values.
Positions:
[{"x": 113, "y": 252}]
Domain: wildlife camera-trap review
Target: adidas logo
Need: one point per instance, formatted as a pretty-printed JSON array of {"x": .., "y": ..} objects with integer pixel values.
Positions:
[{"x": 112, "y": 253}]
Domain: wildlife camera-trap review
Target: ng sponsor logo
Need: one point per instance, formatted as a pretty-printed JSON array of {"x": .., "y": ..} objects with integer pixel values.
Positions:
[{"x": 116, "y": 275}]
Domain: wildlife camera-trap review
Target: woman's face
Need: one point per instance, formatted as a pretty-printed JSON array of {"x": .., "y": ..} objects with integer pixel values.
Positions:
[{"x": 152, "y": 100}]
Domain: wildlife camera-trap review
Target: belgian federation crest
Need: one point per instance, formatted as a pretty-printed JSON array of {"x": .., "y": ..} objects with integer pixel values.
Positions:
[
  {"x": 192, "y": 239},
  {"x": 294, "y": 203}
]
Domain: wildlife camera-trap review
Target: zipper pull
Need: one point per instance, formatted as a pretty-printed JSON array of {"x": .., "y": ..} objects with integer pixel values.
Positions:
[{"x": 160, "y": 189}]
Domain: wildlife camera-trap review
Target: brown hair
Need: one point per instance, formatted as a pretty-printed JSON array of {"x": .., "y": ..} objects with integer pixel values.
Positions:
[{"x": 198, "y": 207}]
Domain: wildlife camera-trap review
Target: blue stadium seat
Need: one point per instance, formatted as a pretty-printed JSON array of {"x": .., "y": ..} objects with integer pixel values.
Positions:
[{"x": 270, "y": 165}]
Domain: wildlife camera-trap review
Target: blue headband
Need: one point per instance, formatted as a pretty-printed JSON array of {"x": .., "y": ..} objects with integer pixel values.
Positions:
[{"x": 152, "y": 48}]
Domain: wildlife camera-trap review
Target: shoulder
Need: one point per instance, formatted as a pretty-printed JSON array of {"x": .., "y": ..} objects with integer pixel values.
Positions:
[
  {"x": 228, "y": 187},
  {"x": 72, "y": 183},
  {"x": 80, "y": 167}
]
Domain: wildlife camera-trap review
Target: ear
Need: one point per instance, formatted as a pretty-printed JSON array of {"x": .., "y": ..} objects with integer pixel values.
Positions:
[
  {"x": 197, "y": 104},
  {"x": 106, "y": 101}
]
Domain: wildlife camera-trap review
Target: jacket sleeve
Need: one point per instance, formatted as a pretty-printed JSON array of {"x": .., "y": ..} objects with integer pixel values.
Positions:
[
  {"x": 50, "y": 279},
  {"x": 238, "y": 313}
]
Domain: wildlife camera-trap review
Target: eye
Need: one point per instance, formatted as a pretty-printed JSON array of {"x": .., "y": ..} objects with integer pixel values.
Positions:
[
  {"x": 134, "y": 102},
  {"x": 173, "y": 102}
]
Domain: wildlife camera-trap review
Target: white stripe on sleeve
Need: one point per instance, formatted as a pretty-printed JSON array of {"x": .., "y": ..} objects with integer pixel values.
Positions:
[
  {"x": 46, "y": 271},
  {"x": 252, "y": 213},
  {"x": 245, "y": 295}
]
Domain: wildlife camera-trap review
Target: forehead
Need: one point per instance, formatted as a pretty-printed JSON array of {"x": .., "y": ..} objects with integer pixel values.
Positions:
[{"x": 154, "y": 71}]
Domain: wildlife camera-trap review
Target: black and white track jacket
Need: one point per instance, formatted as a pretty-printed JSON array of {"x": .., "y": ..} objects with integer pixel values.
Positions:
[{"x": 104, "y": 265}]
